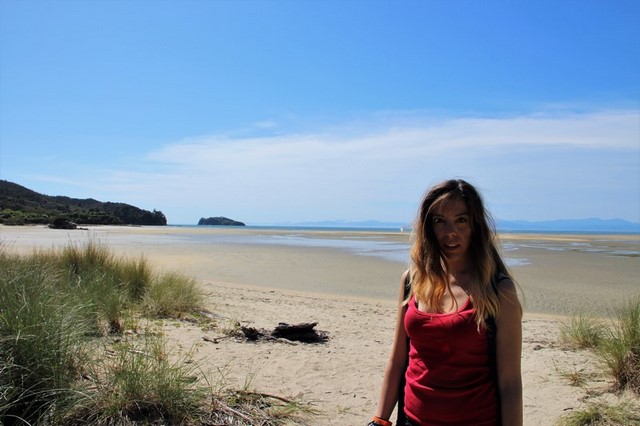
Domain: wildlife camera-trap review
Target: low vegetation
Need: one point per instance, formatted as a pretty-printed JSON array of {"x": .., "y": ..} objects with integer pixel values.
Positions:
[
  {"x": 583, "y": 332},
  {"x": 617, "y": 345},
  {"x": 601, "y": 414},
  {"x": 75, "y": 347}
]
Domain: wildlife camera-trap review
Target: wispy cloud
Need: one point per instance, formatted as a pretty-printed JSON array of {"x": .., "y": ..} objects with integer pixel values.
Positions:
[
  {"x": 533, "y": 166},
  {"x": 349, "y": 175},
  {"x": 612, "y": 130}
]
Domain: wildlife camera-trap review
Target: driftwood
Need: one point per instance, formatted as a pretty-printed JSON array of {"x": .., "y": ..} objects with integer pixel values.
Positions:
[
  {"x": 251, "y": 333},
  {"x": 300, "y": 332},
  {"x": 303, "y": 332}
]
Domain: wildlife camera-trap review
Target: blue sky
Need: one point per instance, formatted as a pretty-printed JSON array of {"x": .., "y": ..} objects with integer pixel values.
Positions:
[{"x": 287, "y": 111}]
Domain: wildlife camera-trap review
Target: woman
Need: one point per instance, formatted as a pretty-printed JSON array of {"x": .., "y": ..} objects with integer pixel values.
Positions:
[{"x": 458, "y": 339}]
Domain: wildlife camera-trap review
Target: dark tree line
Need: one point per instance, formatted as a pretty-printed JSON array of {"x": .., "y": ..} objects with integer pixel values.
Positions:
[{"x": 22, "y": 206}]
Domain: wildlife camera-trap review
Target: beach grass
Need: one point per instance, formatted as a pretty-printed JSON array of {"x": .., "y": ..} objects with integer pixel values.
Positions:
[
  {"x": 171, "y": 294},
  {"x": 68, "y": 354},
  {"x": 617, "y": 344},
  {"x": 142, "y": 382},
  {"x": 42, "y": 331},
  {"x": 582, "y": 331},
  {"x": 603, "y": 414},
  {"x": 618, "y": 347},
  {"x": 621, "y": 349}
]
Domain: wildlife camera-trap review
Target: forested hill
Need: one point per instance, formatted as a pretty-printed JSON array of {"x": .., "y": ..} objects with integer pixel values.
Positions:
[{"x": 22, "y": 206}]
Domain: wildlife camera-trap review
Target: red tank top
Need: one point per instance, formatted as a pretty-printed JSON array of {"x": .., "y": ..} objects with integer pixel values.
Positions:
[{"x": 448, "y": 380}]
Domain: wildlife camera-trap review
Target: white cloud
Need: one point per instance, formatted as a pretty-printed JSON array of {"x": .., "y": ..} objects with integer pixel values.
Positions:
[{"x": 379, "y": 170}]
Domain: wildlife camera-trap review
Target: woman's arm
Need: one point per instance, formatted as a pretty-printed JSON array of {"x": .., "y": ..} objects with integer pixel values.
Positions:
[
  {"x": 508, "y": 353},
  {"x": 397, "y": 360}
]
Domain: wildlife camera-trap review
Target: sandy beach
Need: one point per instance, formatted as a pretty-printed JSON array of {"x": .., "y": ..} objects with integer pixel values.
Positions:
[{"x": 347, "y": 282}]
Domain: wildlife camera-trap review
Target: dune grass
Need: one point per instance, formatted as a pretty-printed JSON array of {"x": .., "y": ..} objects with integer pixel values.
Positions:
[
  {"x": 601, "y": 414},
  {"x": 42, "y": 331},
  {"x": 582, "y": 332},
  {"x": 621, "y": 349},
  {"x": 618, "y": 347},
  {"x": 170, "y": 295},
  {"x": 617, "y": 344},
  {"x": 64, "y": 356},
  {"x": 141, "y": 382}
]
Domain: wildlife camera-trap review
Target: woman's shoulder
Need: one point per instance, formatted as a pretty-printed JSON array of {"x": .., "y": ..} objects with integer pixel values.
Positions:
[
  {"x": 507, "y": 291},
  {"x": 503, "y": 281},
  {"x": 406, "y": 284}
]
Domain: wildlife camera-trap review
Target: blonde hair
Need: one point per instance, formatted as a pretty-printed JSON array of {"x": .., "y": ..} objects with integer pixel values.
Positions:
[{"x": 429, "y": 270}]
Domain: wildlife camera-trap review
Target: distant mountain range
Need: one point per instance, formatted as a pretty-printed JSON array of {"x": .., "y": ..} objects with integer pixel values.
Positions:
[{"x": 575, "y": 225}]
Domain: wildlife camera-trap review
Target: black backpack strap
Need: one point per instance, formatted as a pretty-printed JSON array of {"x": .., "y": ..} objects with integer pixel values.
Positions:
[
  {"x": 492, "y": 329},
  {"x": 407, "y": 285},
  {"x": 401, "y": 416},
  {"x": 491, "y": 321}
]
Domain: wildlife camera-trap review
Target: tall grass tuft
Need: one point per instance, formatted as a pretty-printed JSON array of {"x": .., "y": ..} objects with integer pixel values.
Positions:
[
  {"x": 136, "y": 276},
  {"x": 172, "y": 293},
  {"x": 601, "y": 414},
  {"x": 141, "y": 383},
  {"x": 80, "y": 258},
  {"x": 41, "y": 336},
  {"x": 621, "y": 349},
  {"x": 618, "y": 346},
  {"x": 582, "y": 331}
]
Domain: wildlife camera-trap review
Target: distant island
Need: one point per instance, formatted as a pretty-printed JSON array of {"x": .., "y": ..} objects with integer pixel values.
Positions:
[
  {"x": 22, "y": 206},
  {"x": 219, "y": 221}
]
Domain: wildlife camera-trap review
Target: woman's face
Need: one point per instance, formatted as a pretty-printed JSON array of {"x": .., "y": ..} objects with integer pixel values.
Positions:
[{"x": 451, "y": 224}]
